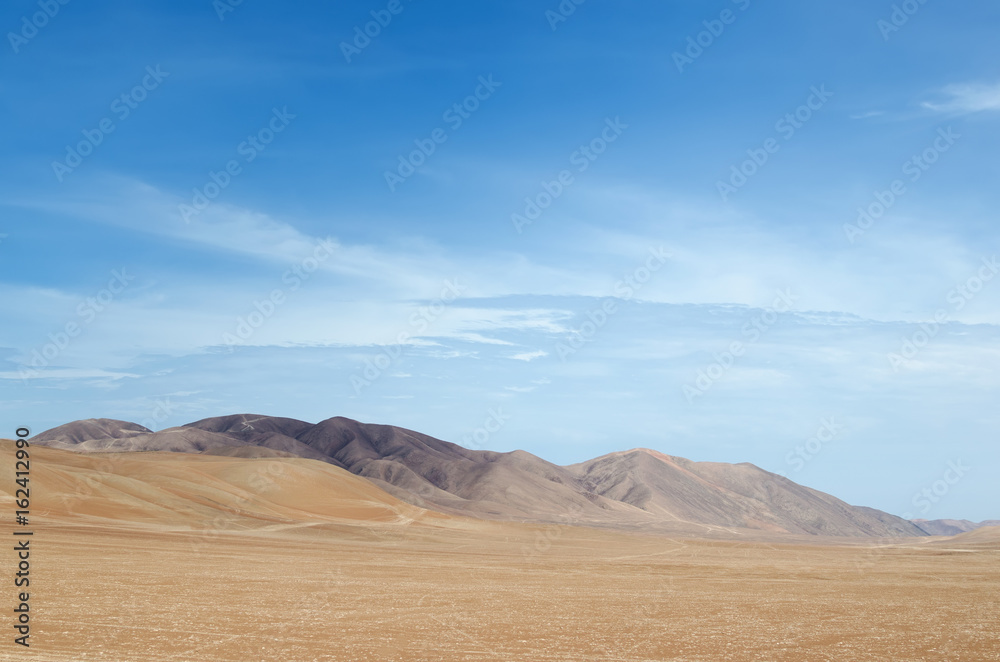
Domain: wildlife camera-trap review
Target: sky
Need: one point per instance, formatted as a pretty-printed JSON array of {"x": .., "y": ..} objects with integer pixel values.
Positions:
[{"x": 730, "y": 231}]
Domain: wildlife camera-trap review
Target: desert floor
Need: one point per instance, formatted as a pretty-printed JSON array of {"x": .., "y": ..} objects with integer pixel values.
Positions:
[
  {"x": 112, "y": 594},
  {"x": 363, "y": 584}
]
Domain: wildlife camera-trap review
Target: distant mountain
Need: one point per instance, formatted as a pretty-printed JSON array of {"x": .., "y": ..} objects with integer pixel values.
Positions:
[
  {"x": 736, "y": 495},
  {"x": 91, "y": 429},
  {"x": 638, "y": 489},
  {"x": 951, "y": 527},
  {"x": 103, "y": 434}
]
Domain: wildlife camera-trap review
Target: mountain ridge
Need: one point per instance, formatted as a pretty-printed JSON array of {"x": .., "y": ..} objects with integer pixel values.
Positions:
[{"x": 639, "y": 488}]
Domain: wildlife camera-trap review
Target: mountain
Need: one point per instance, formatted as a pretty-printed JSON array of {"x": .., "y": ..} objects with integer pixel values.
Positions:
[
  {"x": 90, "y": 429},
  {"x": 951, "y": 527},
  {"x": 219, "y": 437},
  {"x": 639, "y": 489},
  {"x": 736, "y": 495}
]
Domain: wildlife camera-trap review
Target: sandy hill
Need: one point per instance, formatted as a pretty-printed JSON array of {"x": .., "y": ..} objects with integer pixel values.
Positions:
[
  {"x": 639, "y": 489},
  {"x": 986, "y": 535},
  {"x": 193, "y": 492},
  {"x": 951, "y": 527}
]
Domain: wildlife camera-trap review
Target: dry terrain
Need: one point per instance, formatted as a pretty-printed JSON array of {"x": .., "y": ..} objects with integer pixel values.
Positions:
[{"x": 157, "y": 556}]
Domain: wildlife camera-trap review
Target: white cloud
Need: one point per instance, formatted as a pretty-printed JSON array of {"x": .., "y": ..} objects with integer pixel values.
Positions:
[
  {"x": 66, "y": 374},
  {"x": 416, "y": 269},
  {"x": 530, "y": 356},
  {"x": 736, "y": 257},
  {"x": 967, "y": 98}
]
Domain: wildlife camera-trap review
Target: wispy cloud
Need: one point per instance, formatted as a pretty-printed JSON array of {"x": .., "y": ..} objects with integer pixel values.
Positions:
[
  {"x": 530, "y": 356},
  {"x": 967, "y": 98},
  {"x": 867, "y": 114},
  {"x": 61, "y": 374},
  {"x": 520, "y": 389}
]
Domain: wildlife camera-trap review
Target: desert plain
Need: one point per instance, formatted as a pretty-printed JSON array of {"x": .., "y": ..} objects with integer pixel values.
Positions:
[{"x": 172, "y": 557}]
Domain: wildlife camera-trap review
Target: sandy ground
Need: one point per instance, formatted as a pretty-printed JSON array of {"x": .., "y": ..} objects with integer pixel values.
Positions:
[{"x": 362, "y": 577}]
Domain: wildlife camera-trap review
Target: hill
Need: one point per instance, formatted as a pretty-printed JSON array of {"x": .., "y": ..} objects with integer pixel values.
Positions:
[{"x": 951, "y": 527}]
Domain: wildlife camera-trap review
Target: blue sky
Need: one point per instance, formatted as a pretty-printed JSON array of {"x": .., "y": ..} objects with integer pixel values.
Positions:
[{"x": 575, "y": 263}]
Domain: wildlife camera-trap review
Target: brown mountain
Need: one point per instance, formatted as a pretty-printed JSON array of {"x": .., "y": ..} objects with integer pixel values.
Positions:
[
  {"x": 731, "y": 495},
  {"x": 93, "y": 428},
  {"x": 216, "y": 438},
  {"x": 638, "y": 489}
]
